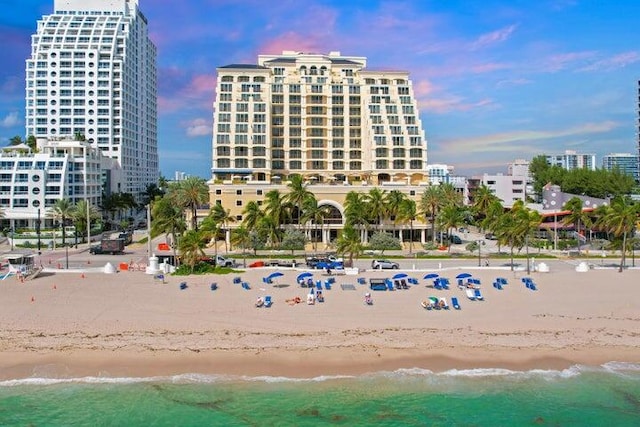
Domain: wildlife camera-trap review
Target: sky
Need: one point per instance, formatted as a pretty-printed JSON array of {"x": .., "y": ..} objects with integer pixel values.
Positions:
[{"x": 495, "y": 80}]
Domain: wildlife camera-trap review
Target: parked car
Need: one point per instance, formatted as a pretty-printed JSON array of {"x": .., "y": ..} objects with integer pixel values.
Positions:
[
  {"x": 456, "y": 240},
  {"x": 490, "y": 236},
  {"x": 384, "y": 264}
]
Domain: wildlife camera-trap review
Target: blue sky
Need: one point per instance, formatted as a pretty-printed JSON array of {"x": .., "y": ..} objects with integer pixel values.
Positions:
[{"x": 495, "y": 80}]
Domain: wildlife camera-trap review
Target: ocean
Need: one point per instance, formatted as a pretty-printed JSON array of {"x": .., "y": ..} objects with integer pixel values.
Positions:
[{"x": 608, "y": 395}]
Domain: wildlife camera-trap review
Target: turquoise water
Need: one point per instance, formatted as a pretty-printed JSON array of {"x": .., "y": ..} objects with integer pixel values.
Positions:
[{"x": 579, "y": 396}]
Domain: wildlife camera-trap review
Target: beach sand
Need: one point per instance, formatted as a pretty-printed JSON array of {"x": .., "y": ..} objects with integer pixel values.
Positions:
[{"x": 129, "y": 325}]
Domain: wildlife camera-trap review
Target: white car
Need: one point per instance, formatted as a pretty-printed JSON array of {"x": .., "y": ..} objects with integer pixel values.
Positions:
[{"x": 380, "y": 264}]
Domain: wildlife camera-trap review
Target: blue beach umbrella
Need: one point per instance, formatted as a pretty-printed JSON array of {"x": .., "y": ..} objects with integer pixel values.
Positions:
[
  {"x": 274, "y": 275},
  {"x": 463, "y": 275},
  {"x": 431, "y": 276},
  {"x": 400, "y": 276},
  {"x": 303, "y": 276}
]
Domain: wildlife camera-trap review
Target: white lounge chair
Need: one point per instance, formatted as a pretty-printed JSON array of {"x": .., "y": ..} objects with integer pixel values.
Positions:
[{"x": 470, "y": 294}]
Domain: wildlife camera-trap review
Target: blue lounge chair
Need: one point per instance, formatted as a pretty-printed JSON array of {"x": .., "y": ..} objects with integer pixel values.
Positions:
[
  {"x": 497, "y": 285},
  {"x": 412, "y": 281},
  {"x": 214, "y": 286},
  {"x": 319, "y": 285},
  {"x": 268, "y": 301},
  {"x": 362, "y": 281},
  {"x": 532, "y": 286},
  {"x": 237, "y": 280},
  {"x": 327, "y": 285},
  {"x": 455, "y": 303},
  {"x": 331, "y": 280},
  {"x": 245, "y": 286},
  {"x": 389, "y": 284},
  {"x": 478, "y": 294},
  {"x": 183, "y": 286},
  {"x": 437, "y": 285}
]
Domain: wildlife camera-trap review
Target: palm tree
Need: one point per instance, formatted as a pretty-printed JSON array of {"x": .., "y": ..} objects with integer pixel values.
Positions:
[
  {"x": 223, "y": 217},
  {"x": 298, "y": 193},
  {"x": 190, "y": 194},
  {"x": 349, "y": 243},
  {"x": 483, "y": 198},
  {"x": 450, "y": 195},
  {"x": 620, "y": 219},
  {"x": 394, "y": 201},
  {"x": 408, "y": 212},
  {"x": 450, "y": 217},
  {"x": 241, "y": 237},
  {"x": 79, "y": 216},
  {"x": 355, "y": 211},
  {"x": 576, "y": 217},
  {"x": 168, "y": 218},
  {"x": 191, "y": 248},
  {"x": 276, "y": 208},
  {"x": 61, "y": 211},
  {"x": 315, "y": 214},
  {"x": 251, "y": 215},
  {"x": 377, "y": 205},
  {"x": 430, "y": 204}
]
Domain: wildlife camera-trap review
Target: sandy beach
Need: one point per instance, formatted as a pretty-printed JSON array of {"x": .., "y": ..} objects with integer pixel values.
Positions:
[{"x": 128, "y": 324}]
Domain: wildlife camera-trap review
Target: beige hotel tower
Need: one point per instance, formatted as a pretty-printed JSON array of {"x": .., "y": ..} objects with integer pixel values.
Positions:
[{"x": 326, "y": 117}]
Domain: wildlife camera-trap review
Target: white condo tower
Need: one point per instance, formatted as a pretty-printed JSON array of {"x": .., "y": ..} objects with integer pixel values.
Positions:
[{"x": 92, "y": 72}]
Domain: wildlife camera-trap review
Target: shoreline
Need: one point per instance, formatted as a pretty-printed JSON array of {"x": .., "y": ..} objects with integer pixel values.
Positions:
[{"x": 294, "y": 364}]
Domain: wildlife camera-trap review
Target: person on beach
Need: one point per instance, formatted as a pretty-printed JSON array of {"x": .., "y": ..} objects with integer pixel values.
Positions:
[
  {"x": 367, "y": 299},
  {"x": 259, "y": 302}
]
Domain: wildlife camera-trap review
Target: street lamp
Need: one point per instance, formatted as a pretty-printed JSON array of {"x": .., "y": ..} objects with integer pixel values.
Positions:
[
  {"x": 480, "y": 243},
  {"x": 38, "y": 225}
]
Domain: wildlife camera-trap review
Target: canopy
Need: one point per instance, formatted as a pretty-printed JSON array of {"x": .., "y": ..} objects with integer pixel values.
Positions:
[
  {"x": 303, "y": 276},
  {"x": 431, "y": 276},
  {"x": 463, "y": 275},
  {"x": 273, "y": 276},
  {"x": 400, "y": 276}
]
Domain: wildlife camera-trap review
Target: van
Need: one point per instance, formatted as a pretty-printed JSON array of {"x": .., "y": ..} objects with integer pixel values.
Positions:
[{"x": 456, "y": 240}]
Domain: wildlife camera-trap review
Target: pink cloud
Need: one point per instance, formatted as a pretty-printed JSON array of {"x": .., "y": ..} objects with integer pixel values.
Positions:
[
  {"x": 560, "y": 62},
  {"x": 488, "y": 67},
  {"x": 493, "y": 37},
  {"x": 291, "y": 41},
  {"x": 451, "y": 103},
  {"x": 198, "y": 92},
  {"x": 198, "y": 127},
  {"x": 617, "y": 61}
]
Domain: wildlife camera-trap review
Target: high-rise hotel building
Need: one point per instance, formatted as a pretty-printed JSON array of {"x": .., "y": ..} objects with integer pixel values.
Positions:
[
  {"x": 326, "y": 117},
  {"x": 92, "y": 72}
]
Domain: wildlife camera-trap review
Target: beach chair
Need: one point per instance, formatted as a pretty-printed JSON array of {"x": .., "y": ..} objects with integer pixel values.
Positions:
[
  {"x": 444, "y": 282},
  {"x": 426, "y": 304},
  {"x": 470, "y": 294},
  {"x": 362, "y": 281},
  {"x": 267, "y": 301},
  {"x": 245, "y": 286},
  {"x": 443, "y": 303},
  {"x": 437, "y": 285},
  {"x": 497, "y": 285},
  {"x": 319, "y": 296},
  {"x": 237, "y": 280},
  {"x": 532, "y": 286},
  {"x": 319, "y": 285},
  {"x": 389, "y": 284},
  {"x": 403, "y": 284},
  {"x": 214, "y": 286},
  {"x": 183, "y": 286},
  {"x": 455, "y": 303},
  {"x": 327, "y": 285},
  {"x": 331, "y": 280},
  {"x": 461, "y": 283},
  {"x": 478, "y": 294}
]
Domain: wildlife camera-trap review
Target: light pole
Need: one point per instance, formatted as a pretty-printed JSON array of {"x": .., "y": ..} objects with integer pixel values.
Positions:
[
  {"x": 526, "y": 244},
  {"x": 13, "y": 233},
  {"x": 38, "y": 233},
  {"x": 480, "y": 243}
]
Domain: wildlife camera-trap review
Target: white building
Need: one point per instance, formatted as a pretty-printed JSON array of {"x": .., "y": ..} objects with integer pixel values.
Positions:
[
  {"x": 514, "y": 186},
  {"x": 626, "y": 163},
  {"x": 92, "y": 72},
  {"x": 572, "y": 160},
  {"x": 31, "y": 183}
]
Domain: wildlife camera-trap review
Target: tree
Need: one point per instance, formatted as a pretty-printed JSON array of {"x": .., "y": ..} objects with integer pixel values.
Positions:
[
  {"x": 355, "y": 211},
  {"x": 61, "y": 211},
  {"x": 79, "y": 216},
  {"x": 377, "y": 207},
  {"x": 408, "y": 212},
  {"x": 576, "y": 217},
  {"x": 620, "y": 219},
  {"x": 293, "y": 240},
  {"x": 191, "y": 193},
  {"x": 482, "y": 200},
  {"x": 275, "y": 207},
  {"x": 298, "y": 193},
  {"x": 315, "y": 214},
  {"x": 191, "y": 248},
  {"x": 394, "y": 202},
  {"x": 449, "y": 218},
  {"x": 430, "y": 204},
  {"x": 16, "y": 140},
  {"x": 32, "y": 143},
  {"x": 168, "y": 218},
  {"x": 222, "y": 216},
  {"x": 251, "y": 215},
  {"x": 349, "y": 243},
  {"x": 382, "y": 241},
  {"x": 241, "y": 238}
]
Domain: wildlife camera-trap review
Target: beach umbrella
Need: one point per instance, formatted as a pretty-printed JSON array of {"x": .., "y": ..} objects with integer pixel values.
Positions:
[
  {"x": 273, "y": 275},
  {"x": 303, "y": 276},
  {"x": 400, "y": 276},
  {"x": 463, "y": 275},
  {"x": 431, "y": 276}
]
